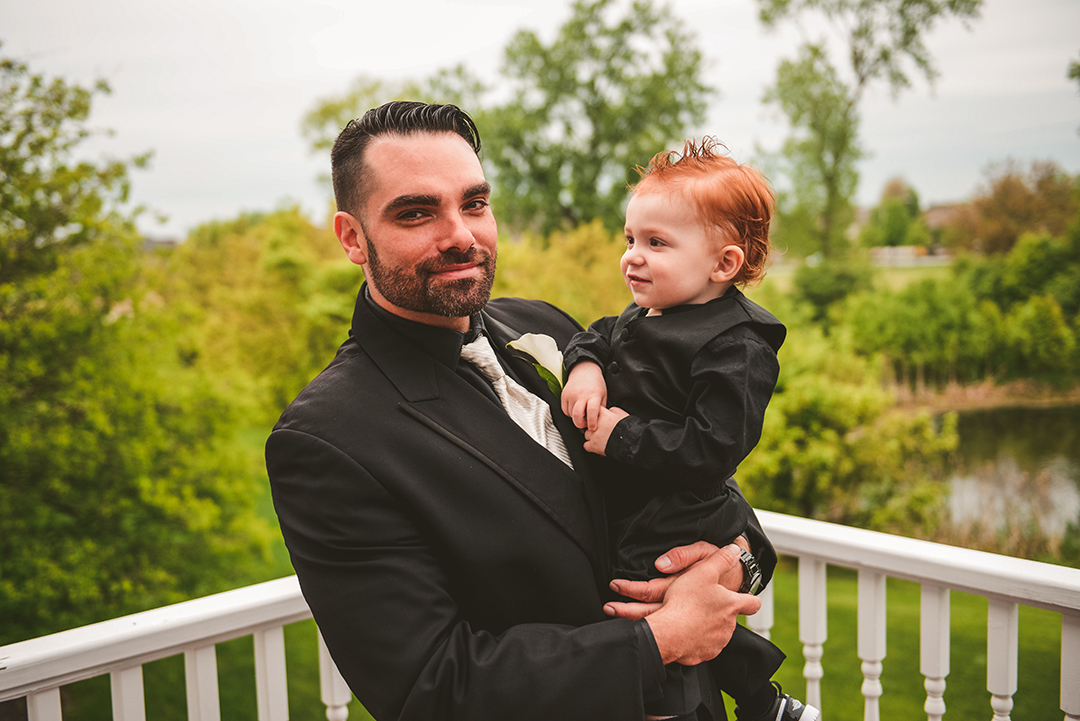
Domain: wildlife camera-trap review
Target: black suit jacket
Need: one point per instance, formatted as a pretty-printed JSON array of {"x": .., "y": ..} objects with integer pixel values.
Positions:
[{"x": 456, "y": 569}]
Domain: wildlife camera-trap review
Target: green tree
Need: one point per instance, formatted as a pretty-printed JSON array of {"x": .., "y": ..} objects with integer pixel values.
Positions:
[
  {"x": 881, "y": 38},
  {"x": 819, "y": 158},
  {"x": 615, "y": 86},
  {"x": 119, "y": 488},
  {"x": 1041, "y": 341},
  {"x": 264, "y": 300},
  {"x": 897, "y": 220},
  {"x": 321, "y": 125},
  {"x": 1073, "y": 73},
  {"x": 832, "y": 449},
  {"x": 605, "y": 95}
]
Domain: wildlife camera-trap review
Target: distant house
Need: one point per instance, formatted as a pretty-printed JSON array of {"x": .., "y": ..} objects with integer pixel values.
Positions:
[
  {"x": 940, "y": 216},
  {"x": 152, "y": 243}
]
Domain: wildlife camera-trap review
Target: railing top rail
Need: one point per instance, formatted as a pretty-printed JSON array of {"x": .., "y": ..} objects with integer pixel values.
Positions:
[
  {"x": 69, "y": 656},
  {"x": 1030, "y": 583}
]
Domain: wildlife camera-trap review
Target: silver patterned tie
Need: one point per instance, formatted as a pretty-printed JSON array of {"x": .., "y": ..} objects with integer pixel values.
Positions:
[{"x": 526, "y": 409}]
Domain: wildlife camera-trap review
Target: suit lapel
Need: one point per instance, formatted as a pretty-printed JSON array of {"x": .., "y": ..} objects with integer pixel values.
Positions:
[
  {"x": 523, "y": 369},
  {"x": 444, "y": 402}
]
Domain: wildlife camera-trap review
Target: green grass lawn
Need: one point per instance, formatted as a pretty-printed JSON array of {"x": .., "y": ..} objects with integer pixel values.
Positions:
[{"x": 781, "y": 277}]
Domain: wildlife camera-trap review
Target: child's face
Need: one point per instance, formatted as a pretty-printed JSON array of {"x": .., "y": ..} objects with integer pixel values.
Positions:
[{"x": 670, "y": 259}]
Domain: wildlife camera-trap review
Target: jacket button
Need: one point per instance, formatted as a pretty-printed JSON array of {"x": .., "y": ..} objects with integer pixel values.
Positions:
[
  {"x": 626, "y": 334},
  {"x": 613, "y": 368}
]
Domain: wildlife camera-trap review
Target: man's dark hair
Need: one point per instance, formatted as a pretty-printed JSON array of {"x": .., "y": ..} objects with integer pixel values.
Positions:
[{"x": 399, "y": 117}]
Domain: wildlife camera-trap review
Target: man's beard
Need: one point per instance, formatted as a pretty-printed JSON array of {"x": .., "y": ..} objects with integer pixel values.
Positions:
[{"x": 413, "y": 289}]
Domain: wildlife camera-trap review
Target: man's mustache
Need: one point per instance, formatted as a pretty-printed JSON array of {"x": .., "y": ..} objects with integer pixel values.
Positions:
[{"x": 449, "y": 258}]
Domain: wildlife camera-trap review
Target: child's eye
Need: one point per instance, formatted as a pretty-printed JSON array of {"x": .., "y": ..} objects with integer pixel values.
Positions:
[
  {"x": 629, "y": 241},
  {"x": 656, "y": 242}
]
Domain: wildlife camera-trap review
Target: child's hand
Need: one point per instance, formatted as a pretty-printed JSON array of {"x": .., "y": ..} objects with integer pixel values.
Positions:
[
  {"x": 584, "y": 394},
  {"x": 596, "y": 440}
]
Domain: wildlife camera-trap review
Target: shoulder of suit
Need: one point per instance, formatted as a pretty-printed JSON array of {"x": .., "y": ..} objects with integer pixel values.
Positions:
[
  {"x": 333, "y": 386},
  {"x": 518, "y": 311}
]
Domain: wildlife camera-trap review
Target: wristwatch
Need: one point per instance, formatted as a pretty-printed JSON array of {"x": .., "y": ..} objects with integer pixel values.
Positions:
[{"x": 752, "y": 578}]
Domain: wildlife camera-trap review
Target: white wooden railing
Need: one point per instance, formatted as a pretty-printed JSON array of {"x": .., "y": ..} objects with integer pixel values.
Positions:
[{"x": 36, "y": 669}]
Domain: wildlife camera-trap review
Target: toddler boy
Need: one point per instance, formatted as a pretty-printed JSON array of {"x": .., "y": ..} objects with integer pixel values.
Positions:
[{"x": 674, "y": 390}]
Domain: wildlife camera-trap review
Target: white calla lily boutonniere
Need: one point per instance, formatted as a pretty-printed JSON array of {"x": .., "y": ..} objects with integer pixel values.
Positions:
[{"x": 546, "y": 356}]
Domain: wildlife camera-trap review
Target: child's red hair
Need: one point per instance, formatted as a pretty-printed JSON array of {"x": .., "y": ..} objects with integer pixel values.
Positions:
[{"x": 735, "y": 199}]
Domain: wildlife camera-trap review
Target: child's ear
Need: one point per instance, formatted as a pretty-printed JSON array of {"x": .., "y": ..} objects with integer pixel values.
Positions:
[{"x": 728, "y": 263}]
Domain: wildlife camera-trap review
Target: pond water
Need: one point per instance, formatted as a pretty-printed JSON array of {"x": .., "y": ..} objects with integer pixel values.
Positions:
[{"x": 1018, "y": 467}]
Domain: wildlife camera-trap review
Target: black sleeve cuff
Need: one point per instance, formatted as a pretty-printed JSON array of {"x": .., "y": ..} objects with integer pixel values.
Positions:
[
  {"x": 586, "y": 345},
  {"x": 623, "y": 442},
  {"x": 652, "y": 664}
]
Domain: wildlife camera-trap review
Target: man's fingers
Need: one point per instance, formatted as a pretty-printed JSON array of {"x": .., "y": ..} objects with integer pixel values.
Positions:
[
  {"x": 748, "y": 605},
  {"x": 633, "y": 611},
  {"x": 648, "y": 591},
  {"x": 683, "y": 557}
]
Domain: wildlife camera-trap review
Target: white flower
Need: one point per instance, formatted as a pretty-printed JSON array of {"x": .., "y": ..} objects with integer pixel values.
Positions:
[{"x": 547, "y": 358}]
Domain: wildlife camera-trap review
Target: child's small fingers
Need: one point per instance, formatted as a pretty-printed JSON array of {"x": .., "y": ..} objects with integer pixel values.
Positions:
[
  {"x": 593, "y": 413},
  {"x": 581, "y": 414}
]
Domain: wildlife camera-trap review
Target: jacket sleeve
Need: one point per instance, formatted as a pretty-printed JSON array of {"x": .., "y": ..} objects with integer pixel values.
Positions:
[
  {"x": 731, "y": 383},
  {"x": 592, "y": 344},
  {"x": 386, "y": 607},
  {"x": 760, "y": 545}
]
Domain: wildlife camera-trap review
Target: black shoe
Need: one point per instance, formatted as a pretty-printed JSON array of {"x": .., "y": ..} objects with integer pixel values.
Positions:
[{"x": 786, "y": 708}]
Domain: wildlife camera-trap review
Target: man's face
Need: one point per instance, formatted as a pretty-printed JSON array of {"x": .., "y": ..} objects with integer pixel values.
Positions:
[{"x": 430, "y": 237}]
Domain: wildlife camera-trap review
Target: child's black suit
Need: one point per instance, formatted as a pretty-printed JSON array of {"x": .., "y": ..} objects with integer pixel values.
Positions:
[{"x": 696, "y": 381}]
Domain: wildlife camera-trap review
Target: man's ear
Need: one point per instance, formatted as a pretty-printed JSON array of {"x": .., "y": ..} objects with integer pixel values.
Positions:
[
  {"x": 351, "y": 236},
  {"x": 728, "y": 263}
]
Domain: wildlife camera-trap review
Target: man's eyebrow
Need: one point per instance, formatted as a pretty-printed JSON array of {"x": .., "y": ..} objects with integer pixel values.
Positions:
[
  {"x": 483, "y": 188},
  {"x": 410, "y": 201}
]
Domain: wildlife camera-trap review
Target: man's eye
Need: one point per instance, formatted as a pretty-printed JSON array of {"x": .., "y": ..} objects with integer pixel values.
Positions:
[
  {"x": 478, "y": 204},
  {"x": 411, "y": 215}
]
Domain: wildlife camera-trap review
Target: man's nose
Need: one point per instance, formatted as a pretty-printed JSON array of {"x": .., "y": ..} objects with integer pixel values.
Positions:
[{"x": 456, "y": 235}]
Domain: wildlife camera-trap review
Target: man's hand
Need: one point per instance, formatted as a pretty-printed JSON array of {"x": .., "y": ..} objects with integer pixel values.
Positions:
[
  {"x": 675, "y": 561},
  {"x": 692, "y": 614},
  {"x": 584, "y": 394},
  {"x": 596, "y": 440}
]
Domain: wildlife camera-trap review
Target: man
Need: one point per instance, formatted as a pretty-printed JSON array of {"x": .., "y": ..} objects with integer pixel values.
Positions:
[{"x": 456, "y": 567}]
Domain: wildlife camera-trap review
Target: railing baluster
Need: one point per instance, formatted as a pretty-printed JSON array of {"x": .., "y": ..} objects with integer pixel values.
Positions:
[
  {"x": 871, "y": 638},
  {"x": 1003, "y": 626},
  {"x": 271, "y": 679},
  {"x": 1070, "y": 666},
  {"x": 200, "y": 675},
  {"x": 761, "y": 622},
  {"x": 128, "y": 703},
  {"x": 44, "y": 706},
  {"x": 335, "y": 692},
  {"x": 813, "y": 624},
  {"x": 934, "y": 647}
]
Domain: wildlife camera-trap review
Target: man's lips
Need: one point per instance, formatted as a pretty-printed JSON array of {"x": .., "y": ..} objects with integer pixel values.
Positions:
[
  {"x": 454, "y": 271},
  {"x": 454, "y": 264}
]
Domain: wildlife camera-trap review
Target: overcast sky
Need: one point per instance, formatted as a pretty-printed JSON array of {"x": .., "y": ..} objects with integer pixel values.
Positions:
[{"x": 216, "y": 88}]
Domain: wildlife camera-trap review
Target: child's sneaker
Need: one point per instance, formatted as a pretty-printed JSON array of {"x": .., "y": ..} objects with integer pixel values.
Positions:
[{"x": 786, "y": 708}]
